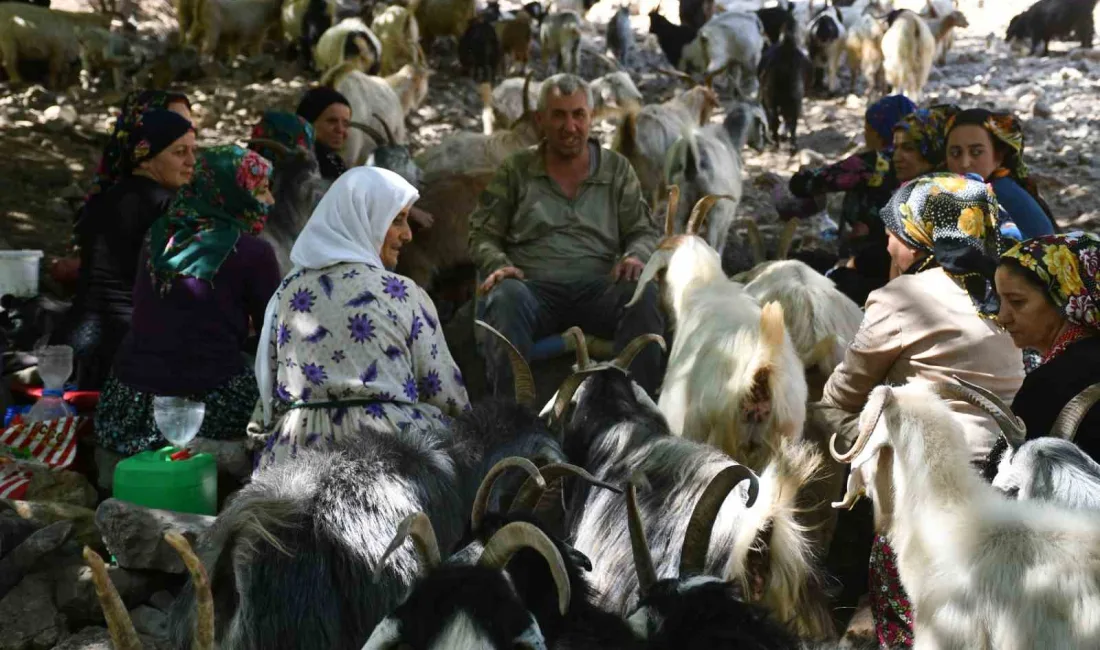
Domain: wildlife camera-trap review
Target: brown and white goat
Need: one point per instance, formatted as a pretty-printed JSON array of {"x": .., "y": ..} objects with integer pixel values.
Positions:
[
  {"x": 943, "y": 30},
  {"x": 734, "y": 379},
  {"x": 908, "y": 48}
]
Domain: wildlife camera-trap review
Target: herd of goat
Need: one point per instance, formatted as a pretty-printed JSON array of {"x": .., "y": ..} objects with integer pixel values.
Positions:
[{"x": 606, "y": 520}]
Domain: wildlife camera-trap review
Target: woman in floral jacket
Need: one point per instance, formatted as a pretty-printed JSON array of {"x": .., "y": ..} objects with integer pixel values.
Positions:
[{"x": 348, "y": 344}]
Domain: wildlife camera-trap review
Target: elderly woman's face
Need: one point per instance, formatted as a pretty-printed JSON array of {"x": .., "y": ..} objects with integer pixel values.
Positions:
[
  {"x": 397, "y": 236},
  {"x": 908, "y": 161},
  {"x": 901, "y": 255},
  {"x": 1026, "y": 313},
  {"x": 331, "y": 127},
  {"x": 970, "y": 150},
  {"x": 173, "y": 167}
]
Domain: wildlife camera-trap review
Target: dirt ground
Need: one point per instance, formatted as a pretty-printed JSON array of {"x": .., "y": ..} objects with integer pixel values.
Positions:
[{"x": 47, "y": 162}]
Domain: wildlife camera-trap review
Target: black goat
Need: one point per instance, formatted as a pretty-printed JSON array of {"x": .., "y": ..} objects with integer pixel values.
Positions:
[
  {"x": 315, "y": 20},
  {"x": 479, "y": 51},
  {"x": 671, "y": 37},
  {"x": 785, "y": 72},
  {"x": 695, "y": 13},
  {"x": 774, "y": 20},
  {"x": 1047, "y": 20},
  {"x": 297, "y": 186},
  {"x": 620, "y": 38},
  {"x": 389, "y": 153},
  {"x": 536, "y": 11}
]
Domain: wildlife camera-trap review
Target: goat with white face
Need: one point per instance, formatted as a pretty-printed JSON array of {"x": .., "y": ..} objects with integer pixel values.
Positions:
[
  {"x": 734, "y": 379},
  {"x": 982, "y": 571}
]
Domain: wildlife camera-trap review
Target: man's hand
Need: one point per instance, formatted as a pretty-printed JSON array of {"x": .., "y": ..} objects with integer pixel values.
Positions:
[
  {"x": 628, "y": 269},
  {"x": 496, "y": 276}
]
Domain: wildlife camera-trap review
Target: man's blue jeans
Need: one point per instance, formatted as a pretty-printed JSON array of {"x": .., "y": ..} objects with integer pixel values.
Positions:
[{"x": 528, "y": 310}]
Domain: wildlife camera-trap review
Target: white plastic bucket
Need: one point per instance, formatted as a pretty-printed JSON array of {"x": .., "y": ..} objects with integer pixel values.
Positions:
[{"x": 19, "y": 272}]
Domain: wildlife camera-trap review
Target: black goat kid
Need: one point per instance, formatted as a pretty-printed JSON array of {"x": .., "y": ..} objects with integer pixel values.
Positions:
[
  {"x": 479, "y": 51},
  {"x": 785, "y": 73},
  {"x": 671, "y": 37}
]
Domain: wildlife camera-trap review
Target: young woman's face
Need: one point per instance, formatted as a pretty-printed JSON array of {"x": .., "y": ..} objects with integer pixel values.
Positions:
[
  {"x": 908, "y": 161},
  {"x": 331, "y": 127},
  {"x": 1026, "y": 312},
  {"x": 970, "y": 150},
  {"x": 174, "y": 166},
  {"x": 901, "y": 255},
  {"x": 397, "y": 236}
]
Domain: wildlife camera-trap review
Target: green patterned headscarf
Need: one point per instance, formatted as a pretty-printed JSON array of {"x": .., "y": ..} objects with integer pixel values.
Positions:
[
  {"x": 201, "y": 227},
  {"x": 927, "y": 128},
  {"x": 1069, "y": 267},
  {"x": 285, "y": 128}
]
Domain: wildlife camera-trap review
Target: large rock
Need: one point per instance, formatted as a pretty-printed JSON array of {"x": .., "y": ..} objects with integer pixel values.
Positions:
[
  {"x": 63, "y": 486},
  {"x": 28, "y": 618},
  {"x": 76, "y": 597},
  {"x": 50, "y": 512},
  {"x": 135, "y": 535},
  {"x": 98, "y": 638}
]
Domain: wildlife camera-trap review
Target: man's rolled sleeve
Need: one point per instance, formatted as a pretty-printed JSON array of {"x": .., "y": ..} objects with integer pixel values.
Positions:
[
  {"x": 639, "y": 232},
  {"x": 489, "y": 222}
]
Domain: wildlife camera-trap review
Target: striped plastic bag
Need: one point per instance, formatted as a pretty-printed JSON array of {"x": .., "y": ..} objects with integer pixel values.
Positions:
[{"x": 51, "y": 443}]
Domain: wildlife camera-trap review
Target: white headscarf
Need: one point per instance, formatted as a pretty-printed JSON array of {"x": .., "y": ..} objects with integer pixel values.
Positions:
[{"x": 348, "y": 225}]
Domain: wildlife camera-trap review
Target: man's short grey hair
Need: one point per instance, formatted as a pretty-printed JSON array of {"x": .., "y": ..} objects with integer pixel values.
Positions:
[{"x": 563, "y": 84}]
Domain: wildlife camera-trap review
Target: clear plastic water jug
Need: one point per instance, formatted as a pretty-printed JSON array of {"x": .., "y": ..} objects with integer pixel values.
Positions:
[
  {"x": 178, "y": 418},
  {"x": 55, "y": 364}
]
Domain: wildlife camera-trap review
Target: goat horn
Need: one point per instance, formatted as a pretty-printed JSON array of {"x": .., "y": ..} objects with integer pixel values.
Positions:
[
  {"x": 481, "y": 501},
  {"x": 577, "y": 335},
  {"x": 639, "y": 546},
  {"x": 657, "y": 261},
  {"x": 520, "y": 535},
  {"x": 679, "y": 74},
  {"x": 123, "y": 635},
  {"x": 1013, "y": 428},
  {"x": 386, "y": 128},
  {"x": 569, "y": 388},
  {"x": 530, "y": 493},
  {"x": 526, "y": 98},
  {"x": 268, "y": 142},
  {"x": 373, "y": 133},
  {"x": 423, "y": 55},
  {"x": 626, "y": 357},
  {"x": 521, "y": 372},
  {"x": 786, "y": 238},
  {"x": 864, "y": 431},
  {"x": 419, "y": 527},
  {"x": 693, "y": 556},
  {"x": 670, "y": 210},
  {"x": 1065, "y": 426},
  {"x": 752, "y": 233},
  {"x": 701, "y": 212},
  {"x": 204, "y": 601}
]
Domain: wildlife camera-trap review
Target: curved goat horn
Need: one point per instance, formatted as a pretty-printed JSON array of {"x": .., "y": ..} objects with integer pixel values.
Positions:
[
  {"x": 481, "y": 500},
  {"x": 577, "y": 335},
  {"x": 626, "y": 357},
  {"x": 519, "y": 535},
  {"x": 670, "y": 210},
  {"x": 639, "y": 546},
  {"x": 701, "y": 211},
  {"x": 386, "y": 128},
  {"x": 531, "y": 491},
  {"x": 268, "y": 142},
  {"x": 123, "y": 634},
  {"x": 786, "y": 238},
  {"x": 679, "y": 74},
  {"x": 752, "y": 233},
  {"x": 419, "y": 527},
  {"x": 865, "y": 431},
  {"x": 1013, "y": 428},
  {"x": 693, "y": 556},
  {"x": 569, "y": 388},
  {"x": 521, "y": 372},
  {"x": 370, "y": 131},
  {"x": 1065, "y": 426},
  {"x": 204, "y": 600}
]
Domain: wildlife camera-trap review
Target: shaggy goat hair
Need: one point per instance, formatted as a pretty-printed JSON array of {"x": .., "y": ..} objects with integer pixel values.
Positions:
[
  {"x": 1049, "y": 20},
  {"x": 1031, "y": 568},
  {"x": 614, "y": 431},
  {"x": 297, "y": 186}
]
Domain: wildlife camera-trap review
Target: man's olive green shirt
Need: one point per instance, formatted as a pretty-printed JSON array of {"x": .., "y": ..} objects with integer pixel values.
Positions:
[{"x": 525, "y": 220}]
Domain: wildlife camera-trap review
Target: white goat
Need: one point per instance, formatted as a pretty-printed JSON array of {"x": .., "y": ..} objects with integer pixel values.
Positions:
[
  {"x": 331, "y": 48},
  {"x": 236, "y": 23},
  {"x": 821, "y": 320},
  {"x": 560, "y": 35},
  {"x": 982, "y": 571},
  {"x": 399, "y": 35},
  {"x": 369, "y": 96},
  {"x": 827, "y": 37},
  {"x": 943, "y": 31},
  {"x": 863, "y": 44},
  {"x": 907, "y": 51},
  {"x": 733, "y": 379},
  {"x": 646, "y": 137},
  {"x": 30, "y": 32},
  {"x": 730, "y": 42}
]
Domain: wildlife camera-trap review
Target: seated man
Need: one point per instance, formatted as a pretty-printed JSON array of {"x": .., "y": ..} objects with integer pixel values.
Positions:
[{"x": 560, "y": 237}]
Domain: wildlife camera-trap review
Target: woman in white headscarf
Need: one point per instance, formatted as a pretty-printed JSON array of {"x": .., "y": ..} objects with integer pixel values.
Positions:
[{"x": 347, "y": 344}]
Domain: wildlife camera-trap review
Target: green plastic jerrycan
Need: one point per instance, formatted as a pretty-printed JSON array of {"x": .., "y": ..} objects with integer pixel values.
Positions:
[{"x": 152, "y": 479}]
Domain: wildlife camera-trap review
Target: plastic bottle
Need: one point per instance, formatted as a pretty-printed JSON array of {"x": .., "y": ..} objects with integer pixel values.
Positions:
[{"x": 55, "y": 364}]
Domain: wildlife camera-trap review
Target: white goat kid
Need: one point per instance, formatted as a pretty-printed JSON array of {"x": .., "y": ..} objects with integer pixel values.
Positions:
[
  {"x": 908, "y": 48},
  {"x": 982, "y": 571},
  {"x": 733, "y": 380}
]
